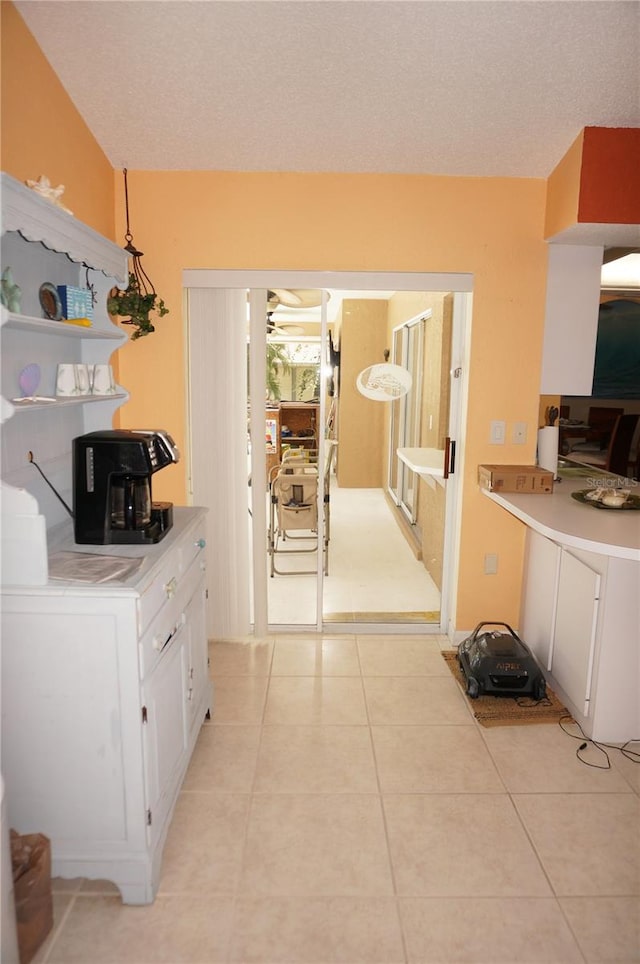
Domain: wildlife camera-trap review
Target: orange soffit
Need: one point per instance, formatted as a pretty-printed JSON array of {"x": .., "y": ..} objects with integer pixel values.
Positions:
[{"x": 610, "y": 176}]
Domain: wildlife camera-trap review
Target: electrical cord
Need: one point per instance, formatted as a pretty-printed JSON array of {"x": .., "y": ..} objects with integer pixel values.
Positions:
[
  {"x": 57, "y": 494},
  {"x": 632, "y": 755},
  {"x": 528, "y": 703}
]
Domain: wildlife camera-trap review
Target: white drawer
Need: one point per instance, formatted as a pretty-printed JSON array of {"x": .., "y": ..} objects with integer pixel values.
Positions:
[
  {"x": 192, "y": 546},
  {"x": 166, "y": 625},
  {"x": 165, "y": 584}
]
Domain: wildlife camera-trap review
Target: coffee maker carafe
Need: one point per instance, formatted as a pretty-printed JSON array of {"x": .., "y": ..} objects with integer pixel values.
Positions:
[
  {"x": 130, "y": 502},
  {"x": 112, "y": 486}
]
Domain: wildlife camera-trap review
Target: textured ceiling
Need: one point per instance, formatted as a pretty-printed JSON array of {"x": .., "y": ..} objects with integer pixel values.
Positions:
[{"x": 463, "y": 88}]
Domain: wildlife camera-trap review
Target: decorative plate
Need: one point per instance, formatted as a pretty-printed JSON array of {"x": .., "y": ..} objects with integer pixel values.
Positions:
[
  {"x": 632, "y": 501},
  {"x": 384, "y": 383},
  {"x": 50, "y": 301}
]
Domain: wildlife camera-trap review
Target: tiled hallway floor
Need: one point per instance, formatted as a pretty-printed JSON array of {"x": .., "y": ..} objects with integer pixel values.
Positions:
[
  {"x": 371, "y": 568},
  {"x": 343, "y": 806}
]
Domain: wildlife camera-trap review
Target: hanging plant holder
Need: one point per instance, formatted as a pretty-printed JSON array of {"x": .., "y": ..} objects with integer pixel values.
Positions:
[{"x": 136, "y": 303}]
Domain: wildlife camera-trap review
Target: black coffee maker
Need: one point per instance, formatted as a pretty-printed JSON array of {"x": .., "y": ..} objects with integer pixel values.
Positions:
[{"x": 112, "y": 487}]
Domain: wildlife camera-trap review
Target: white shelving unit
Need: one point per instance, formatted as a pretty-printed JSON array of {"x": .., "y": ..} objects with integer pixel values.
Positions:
[
  {"x": 42, "y": 243},
  {"x": 47, "y": 327},
  {"x": 104, "y": 685}
]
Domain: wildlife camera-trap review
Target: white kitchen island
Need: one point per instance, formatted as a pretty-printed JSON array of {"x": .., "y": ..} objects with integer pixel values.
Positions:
[{"x": 581, "y": 604}]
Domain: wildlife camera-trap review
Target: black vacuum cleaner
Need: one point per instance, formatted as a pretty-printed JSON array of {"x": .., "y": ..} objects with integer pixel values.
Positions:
[{"x": 499, "y": 664}]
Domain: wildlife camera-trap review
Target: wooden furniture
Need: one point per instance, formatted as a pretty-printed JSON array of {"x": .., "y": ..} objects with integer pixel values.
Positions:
[
  {"x": 301, "y": 419},
  {"x": 600, "y": 422},
  {"x": 104, "y": 690},
  {"x": 617, "y": 456},
  {"x": 272, "y": 438},
  {"x": 595, "y": 432},
  {"x": 566, "y": 433}
]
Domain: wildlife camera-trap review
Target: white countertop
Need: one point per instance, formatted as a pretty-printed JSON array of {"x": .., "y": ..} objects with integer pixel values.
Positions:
[
  {"x": 424, "y": 461},
  {"x": 611, "y": 532},
  {"x": 150, "y": 554}
]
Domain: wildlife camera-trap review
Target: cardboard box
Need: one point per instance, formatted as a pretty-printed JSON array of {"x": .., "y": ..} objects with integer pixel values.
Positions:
[
  {"x": 530, "y": 479},
  {"x": 31, "y": 866}
]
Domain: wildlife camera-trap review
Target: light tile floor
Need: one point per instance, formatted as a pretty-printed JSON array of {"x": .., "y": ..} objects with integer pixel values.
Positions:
[
  {"x": 343, "y": 806},
  {"x": 362, "y": 529}
]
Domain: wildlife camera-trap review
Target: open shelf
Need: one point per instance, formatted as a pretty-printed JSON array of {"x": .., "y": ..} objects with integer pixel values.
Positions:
[
  {"x": 31, "y": 406},
  {"x": 45, "y": 326}
]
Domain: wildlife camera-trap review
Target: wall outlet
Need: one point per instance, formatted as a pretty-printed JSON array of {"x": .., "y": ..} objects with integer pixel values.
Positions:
[
  {"x": 497, "y": 434},
  {"x": 491, "y": 563},
  {"x": 519, "y": 433}
]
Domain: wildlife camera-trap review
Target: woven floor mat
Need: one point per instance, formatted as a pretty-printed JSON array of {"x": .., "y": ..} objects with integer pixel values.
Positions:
[{"x": 505, "y": 710}]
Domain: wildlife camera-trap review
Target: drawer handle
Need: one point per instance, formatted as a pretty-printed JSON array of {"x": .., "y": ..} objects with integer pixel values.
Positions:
[
  {"x": 170, "y": 587},
  {"x": 200, "y": 543},
  {"x": 159, "y": 643}
]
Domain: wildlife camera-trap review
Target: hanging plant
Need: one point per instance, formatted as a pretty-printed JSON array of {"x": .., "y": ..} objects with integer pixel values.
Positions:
[
  {"x": 135, "y": 305},
  {"x": 139, "y": 299}
]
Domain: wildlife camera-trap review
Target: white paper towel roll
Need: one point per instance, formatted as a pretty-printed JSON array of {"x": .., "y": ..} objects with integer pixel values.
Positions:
[{"x": 548, "y": 438}]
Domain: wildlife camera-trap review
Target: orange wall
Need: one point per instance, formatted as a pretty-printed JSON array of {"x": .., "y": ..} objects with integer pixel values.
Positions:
[
  {"x": 563, "y": 190},
  {"x": 610, "y": 179},
  {"x": 596, "y": 182},
  {"x": 43, "y": 133},
  {"x": 492, "y": 227}
]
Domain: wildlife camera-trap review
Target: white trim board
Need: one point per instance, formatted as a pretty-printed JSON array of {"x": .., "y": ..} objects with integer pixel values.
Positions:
[{"x": 363, "y": 280}]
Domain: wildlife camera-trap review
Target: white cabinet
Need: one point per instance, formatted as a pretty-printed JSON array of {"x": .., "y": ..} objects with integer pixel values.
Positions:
[
  {"x": 581, "y": 614},
  {"x": 576, "y": 624},
  {"x": 172, "y": 702},
  {"x": 542, "y": 561},
  {"x": 571, "y": 319},
  {"x": 42, "y": 243},
  {"x": 104, "y": 690}
]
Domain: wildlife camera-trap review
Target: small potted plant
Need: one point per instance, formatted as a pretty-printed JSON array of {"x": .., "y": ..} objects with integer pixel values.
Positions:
[{"x": 134, "y": 305}]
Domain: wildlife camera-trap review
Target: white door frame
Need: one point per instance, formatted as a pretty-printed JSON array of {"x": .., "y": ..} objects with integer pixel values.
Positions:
[{"x": 461, "y": 284}]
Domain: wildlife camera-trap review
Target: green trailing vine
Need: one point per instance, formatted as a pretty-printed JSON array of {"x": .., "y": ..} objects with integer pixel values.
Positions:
[{"x": 135, "y": 306}]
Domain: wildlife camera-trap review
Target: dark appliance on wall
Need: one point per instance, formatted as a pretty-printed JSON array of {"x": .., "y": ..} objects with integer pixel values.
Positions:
[
  {"x": 112, "y": 486},
  {"x": 499, "y": 664}
]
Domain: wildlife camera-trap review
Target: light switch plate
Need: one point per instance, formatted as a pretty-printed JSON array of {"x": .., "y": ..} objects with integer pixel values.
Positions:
[
  {"x": 519, "y": 433},
  {"x": 498, "y": 429},
  {"x": 491, "y": 563}
]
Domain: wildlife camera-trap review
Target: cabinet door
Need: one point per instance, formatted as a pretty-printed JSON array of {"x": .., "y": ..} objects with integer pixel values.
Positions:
[
  {"x": 571, "y": 319},
  {"x": 542, "y": 562},
  {"x": 165, "y": 730},
  {"x": 198, "y": 658},
  {"x": 575, "y": 630}
]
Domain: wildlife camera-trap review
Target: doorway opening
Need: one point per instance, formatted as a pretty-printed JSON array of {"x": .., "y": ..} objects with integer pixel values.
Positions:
[
  {"x": 406, "y": 412},
  {"x": 328, "y": 614}
]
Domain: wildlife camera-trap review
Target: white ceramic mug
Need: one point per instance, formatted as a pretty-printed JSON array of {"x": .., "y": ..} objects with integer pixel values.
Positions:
[
  {"x": 67, "y": 379},
  {"x": 83, "y": 380},
  {"x": 103, "y": 383}
]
